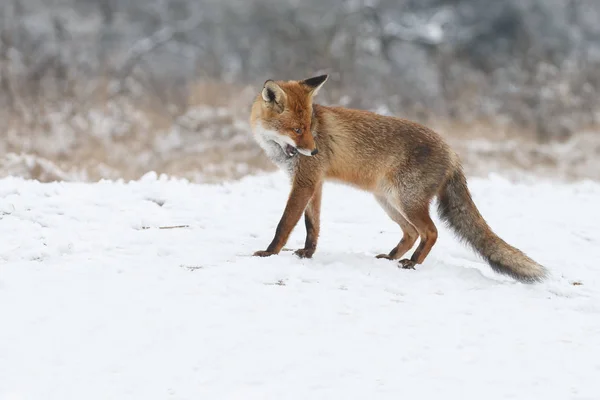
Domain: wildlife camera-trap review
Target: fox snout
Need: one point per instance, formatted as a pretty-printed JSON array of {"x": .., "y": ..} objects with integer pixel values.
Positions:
[
  {"x": 306, "y": 145},
  {"x": 307, "y": 152}
]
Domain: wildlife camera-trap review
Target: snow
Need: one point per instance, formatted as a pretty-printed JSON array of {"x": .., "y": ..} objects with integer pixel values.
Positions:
[{"x": 98, "y": 302}]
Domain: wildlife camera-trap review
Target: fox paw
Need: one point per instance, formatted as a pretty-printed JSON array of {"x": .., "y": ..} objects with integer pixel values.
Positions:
[
  {"x": 304, "y": 253},
  {"x": 406, "y": 264},
  {"x": 264, "y": 253},
  {"x": 384, "y": 256}
]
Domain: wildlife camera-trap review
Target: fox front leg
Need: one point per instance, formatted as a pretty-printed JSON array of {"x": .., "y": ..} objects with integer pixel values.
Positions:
[
  {"x": 297, "y": 202},
  {"x": 312, "y": 220}
]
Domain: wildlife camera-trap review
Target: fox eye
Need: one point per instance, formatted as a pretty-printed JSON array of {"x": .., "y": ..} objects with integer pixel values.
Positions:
[{"x": 298, "y": 131}]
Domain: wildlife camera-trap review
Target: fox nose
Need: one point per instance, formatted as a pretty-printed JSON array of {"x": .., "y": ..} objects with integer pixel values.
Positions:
[{"x": 314, "y": 152}]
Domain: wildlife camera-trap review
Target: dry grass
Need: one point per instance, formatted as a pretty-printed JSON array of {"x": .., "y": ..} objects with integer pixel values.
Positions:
[
  {"x": 490, "y": 147},
  {"x": 206, "y": 138},
  {"x": 204, "y": 141}
]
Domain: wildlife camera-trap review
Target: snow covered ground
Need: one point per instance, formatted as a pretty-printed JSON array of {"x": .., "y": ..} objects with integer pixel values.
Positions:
[{"x": 97, "y": 302}]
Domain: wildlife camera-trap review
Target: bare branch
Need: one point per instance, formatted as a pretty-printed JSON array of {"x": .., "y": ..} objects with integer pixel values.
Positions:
[{"x": 145, "y": 46}]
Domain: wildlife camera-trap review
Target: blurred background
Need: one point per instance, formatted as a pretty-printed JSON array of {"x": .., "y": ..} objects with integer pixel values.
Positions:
[{"x": 93, "y": 89}]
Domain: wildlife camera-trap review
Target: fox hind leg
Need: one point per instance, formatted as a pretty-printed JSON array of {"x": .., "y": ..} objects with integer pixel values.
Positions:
[
  {"x": 409, "y": 236},
  {"x": 428, "y": 234}
]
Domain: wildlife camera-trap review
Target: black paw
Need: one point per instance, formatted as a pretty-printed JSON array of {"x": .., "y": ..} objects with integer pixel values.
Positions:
[
  {"x": 384, "y": 256},
  {"x": 304, "y": 253},
  {"x": 406, "y": 264},
  {"x": 263, "y": 253}
]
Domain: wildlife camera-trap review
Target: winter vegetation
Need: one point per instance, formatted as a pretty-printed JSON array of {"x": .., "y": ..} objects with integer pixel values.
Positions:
[{"x": 95, "y": 89}]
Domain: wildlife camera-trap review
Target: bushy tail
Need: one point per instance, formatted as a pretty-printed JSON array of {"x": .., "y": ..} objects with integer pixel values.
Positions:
[{"x": 457, "y": 208}]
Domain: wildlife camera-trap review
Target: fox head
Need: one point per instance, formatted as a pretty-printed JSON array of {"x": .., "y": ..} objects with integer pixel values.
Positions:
[{"x": 282, "y": 113}]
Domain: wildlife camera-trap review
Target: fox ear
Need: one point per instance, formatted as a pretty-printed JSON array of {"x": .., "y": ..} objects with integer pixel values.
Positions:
[
  {"x": 272, "y": 93},
  {"x": 314, "y": 84}
]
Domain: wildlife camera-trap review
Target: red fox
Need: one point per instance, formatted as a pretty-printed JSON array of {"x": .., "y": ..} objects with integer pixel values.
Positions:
[{"x": 404, "y": 164}]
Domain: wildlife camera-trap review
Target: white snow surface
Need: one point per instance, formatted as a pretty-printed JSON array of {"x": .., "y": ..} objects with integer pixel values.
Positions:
[{"x": 95, "y": 306}]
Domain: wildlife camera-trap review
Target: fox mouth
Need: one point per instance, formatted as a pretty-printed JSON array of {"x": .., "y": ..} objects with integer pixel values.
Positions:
[{"x": 290, "y": 150}]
